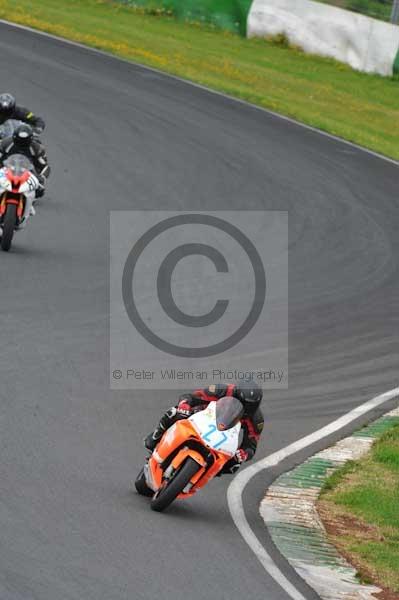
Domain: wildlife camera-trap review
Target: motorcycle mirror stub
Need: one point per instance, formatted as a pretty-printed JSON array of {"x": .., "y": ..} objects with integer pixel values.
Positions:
[{"x": 229, "y": 411}]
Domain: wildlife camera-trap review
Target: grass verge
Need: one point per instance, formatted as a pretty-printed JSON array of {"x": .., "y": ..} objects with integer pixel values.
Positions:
[
  {"x": 320, "y": 92},
  {"x": 360, "y": 507}
]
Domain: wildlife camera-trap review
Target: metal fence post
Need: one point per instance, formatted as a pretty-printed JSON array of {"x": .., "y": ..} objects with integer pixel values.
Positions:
[{"x": 395, "y": 12}]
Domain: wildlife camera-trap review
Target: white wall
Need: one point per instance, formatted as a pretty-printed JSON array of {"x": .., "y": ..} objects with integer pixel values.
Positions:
[{"x": 364, "y": 43}]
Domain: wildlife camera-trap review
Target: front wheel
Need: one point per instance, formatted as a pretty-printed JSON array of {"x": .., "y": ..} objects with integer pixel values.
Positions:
[
  {"x": 9, "y": 223},
  {"x": 175, "y": 486}
]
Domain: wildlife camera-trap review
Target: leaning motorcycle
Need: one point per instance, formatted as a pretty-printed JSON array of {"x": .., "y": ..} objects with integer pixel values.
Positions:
[
  {"x": 191, "y": 453},
  {"x": 18, "y": 186}
]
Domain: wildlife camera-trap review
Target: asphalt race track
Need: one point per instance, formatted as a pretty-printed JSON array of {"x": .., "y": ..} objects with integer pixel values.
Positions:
[{"x": 122, "y": 137}]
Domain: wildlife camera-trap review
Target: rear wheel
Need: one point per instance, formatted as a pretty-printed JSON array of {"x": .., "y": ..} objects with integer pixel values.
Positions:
[
  {"x": 9, "y": 223},
  {"x": 175, "y": 486}
]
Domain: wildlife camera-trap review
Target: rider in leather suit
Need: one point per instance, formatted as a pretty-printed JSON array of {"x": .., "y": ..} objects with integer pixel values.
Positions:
[
  {"x": 10, "y": 110},
  {"x": 249, "y": 393},
  {"x": 23, "y": 142}
]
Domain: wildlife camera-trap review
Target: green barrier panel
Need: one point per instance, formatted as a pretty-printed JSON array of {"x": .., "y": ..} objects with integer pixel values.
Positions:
[
  {"x": 396, "y": 65},
  {"x": 230, "y": 15}
]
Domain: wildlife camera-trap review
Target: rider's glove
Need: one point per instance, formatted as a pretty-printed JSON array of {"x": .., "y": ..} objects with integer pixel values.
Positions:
[
  {"x": 184, "y": 407},
  {"x": 234, "y": 463},
  {"x": 183, "y": 412},
  {"x": 241, "y": 456}
]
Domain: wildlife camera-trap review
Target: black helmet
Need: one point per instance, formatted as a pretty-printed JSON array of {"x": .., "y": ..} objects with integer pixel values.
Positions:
[
  {"x": 23, "y": 135},
  {"x": 7, "y": 105},
  {"x": 250, "y": 395}
]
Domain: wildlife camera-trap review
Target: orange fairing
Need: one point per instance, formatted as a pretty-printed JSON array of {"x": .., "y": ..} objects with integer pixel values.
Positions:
[
  {"x": 174, "y": 437},
  {"x": 181, "y": 433}
]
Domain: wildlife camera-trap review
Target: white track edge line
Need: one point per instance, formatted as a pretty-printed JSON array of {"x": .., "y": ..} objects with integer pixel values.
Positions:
[
  {"x": 237, "y": 486},
  {"x": 204, "y": 88}
]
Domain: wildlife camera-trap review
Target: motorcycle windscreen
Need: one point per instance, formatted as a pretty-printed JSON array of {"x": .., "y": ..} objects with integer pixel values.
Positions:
[
  {"x": 229, "y": 411},
  {"x": 18, "y": 164}
]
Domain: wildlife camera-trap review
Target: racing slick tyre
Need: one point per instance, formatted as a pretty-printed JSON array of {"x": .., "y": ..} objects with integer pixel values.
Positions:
[
  {"x": 9, "y": 223},
  {"x": 165, "y": 496},
  {"x": 141, "y": 485}
]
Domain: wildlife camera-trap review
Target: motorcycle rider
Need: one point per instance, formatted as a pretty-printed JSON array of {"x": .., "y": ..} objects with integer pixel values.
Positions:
[
  {"x": 252, "y": 421},
  {"x": 10, "y": 110},
  {"x": 23, "y": 142}
]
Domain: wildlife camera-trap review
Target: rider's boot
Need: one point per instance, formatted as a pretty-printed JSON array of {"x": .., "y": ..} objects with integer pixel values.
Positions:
[
  {"x": 39, "y": 194},
  {"x": 166, "y": 421}
]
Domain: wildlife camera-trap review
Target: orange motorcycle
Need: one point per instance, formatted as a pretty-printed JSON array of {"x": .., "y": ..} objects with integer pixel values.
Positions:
[{"x": 191, "y": 452}]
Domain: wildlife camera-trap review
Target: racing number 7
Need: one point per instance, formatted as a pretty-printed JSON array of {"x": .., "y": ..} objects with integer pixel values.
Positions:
[{"x": 212, "y": 430}]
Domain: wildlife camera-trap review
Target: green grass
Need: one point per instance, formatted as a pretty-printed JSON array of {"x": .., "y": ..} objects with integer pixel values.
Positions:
[
  {"x": 321, "y": 92},
  {"x": 368, "y": 491},
  {"x": 338, "y": 476}
]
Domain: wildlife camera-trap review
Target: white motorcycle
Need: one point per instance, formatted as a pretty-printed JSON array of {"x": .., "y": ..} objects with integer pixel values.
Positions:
[{"x": 18, "y": 185}]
